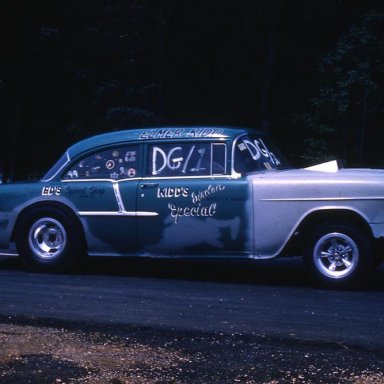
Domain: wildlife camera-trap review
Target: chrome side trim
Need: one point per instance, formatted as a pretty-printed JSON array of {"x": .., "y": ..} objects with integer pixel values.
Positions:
[
  {"x": 99, "y": 180},
  {"x": 119, "y": 200},
  {"x": 372, "y": 198},
  {"x": 211, "y": 177},
  {"x": 8, "y": 253},
  {"x": 121, "y": 213},
  {"x": 151, "y": 178}
]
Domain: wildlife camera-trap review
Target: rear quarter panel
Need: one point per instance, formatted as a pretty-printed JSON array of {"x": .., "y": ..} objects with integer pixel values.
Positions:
[{"x": 283, "y": 200}]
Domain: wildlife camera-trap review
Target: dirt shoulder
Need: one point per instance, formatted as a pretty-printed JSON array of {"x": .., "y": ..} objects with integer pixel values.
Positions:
[{"x": 44, "y": 352}]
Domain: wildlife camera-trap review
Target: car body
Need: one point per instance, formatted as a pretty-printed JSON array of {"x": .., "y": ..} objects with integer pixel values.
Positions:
[{"x": 194, "y": 192}]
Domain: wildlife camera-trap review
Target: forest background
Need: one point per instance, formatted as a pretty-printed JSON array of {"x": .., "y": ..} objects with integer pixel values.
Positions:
[{"x": 309, "y": 72}]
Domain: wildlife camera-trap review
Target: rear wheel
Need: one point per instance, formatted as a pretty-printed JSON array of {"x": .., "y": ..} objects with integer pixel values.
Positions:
[
  {"x": 49, "y": 239},
  {"x": 338, "y": 255}
]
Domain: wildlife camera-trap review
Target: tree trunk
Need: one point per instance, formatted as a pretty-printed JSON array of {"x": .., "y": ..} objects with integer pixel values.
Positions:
[
  {"x": 363, "y": 127},
  {"x": 14, "y": 140},
  {"x": 268, "y": 74}
]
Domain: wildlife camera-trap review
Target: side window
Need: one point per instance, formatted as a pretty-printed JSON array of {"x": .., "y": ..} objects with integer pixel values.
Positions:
[
  {"x": 114, "y": 163},
  {"x": 187, "y": 159}
]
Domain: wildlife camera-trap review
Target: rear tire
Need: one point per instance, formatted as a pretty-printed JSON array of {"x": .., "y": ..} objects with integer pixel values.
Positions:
[
  {"x": 49, "y": 239},
  {"x": 338, "y": 256}
]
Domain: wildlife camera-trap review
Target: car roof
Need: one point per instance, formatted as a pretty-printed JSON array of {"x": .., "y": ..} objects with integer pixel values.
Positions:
[{"x": 161, "y": 133}]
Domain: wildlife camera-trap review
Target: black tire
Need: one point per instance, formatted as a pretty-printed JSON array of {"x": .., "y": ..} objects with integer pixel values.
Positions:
[
  {"x": 49, "y": 239},
  {"x": 338, "y": 256}
]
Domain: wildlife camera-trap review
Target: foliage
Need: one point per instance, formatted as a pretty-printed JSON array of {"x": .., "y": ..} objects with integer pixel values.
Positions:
[
  {"x": 351, "y": 93},
  {"x": 318, "y": 146},
  {"x": 73, "y": 68}
]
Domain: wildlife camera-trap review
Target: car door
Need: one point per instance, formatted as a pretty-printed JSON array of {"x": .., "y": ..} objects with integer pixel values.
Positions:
[
  {"x": 196, "y": 207},
  {"x": 103, "y": 187}
]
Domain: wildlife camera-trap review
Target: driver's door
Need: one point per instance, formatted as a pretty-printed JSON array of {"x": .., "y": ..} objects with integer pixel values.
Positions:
[{"x": 196, "y": 207}]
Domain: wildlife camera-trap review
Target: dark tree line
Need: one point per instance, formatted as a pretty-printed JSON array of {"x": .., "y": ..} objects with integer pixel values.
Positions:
[{"x": 308, "y": 72}]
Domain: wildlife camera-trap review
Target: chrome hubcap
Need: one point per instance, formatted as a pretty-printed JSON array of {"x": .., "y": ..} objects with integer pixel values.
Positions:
[
  {"x": 336, "y": 255},
  {"x": 47, "y": 238}
]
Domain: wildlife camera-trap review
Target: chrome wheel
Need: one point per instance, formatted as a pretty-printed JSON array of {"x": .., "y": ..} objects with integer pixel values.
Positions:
[
  {"x": 47, "y": 238},
  {"x": 336, "y": 255}
]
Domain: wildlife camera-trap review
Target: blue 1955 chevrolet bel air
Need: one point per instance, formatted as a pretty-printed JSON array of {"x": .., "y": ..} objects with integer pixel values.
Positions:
[{"x": 197, "y": 192}]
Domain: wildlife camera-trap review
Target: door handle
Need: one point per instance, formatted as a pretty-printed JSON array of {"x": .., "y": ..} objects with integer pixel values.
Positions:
[{"x": 149, "y": 185}]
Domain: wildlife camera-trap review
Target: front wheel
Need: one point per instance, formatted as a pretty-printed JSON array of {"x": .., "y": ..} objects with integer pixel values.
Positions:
[
  {"x": 338, "y": 255},
  {"x": 48, "y": 239}
]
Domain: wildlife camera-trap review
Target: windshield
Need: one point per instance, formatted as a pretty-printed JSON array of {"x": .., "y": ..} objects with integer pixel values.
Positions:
[
  {"x": 255, "y": 153},
  {"x": 60, "y": 164}
]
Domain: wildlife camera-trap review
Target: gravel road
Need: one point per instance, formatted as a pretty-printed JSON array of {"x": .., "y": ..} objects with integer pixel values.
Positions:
[{"x": 44, "y": 352}]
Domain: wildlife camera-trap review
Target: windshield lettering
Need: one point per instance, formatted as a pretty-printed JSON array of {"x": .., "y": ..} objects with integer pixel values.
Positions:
[{"x": 255, "y": 154}]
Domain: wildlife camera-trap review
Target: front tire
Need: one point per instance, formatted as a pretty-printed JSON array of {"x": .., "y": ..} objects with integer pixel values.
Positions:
[
  {"x": 49, "y": 239},
  {"x": 338, "y": 256}
]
